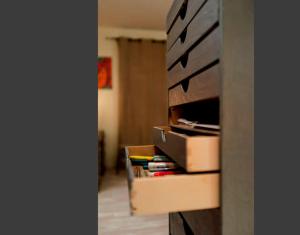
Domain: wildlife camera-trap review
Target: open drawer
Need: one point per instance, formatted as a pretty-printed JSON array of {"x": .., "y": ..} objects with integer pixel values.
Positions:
[
  {"x": 172, "y": 193},
  {"x": 198, "y": 153}
]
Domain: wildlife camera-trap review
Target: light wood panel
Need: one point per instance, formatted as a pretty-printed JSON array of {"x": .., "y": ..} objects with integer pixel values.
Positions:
[{"x": 156, "y": 195}]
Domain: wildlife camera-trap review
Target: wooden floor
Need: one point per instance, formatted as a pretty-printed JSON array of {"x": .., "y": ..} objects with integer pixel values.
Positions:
[{"x": 113, "y": 211}]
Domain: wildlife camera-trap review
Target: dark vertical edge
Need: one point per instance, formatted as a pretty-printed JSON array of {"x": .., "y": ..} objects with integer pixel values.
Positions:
[
  {"x": 130, "y": 178},
  {"x": 169, "y": 218}
]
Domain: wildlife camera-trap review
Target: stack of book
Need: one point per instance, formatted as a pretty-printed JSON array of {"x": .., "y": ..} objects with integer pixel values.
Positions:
[{"x": 157, "y": 165}]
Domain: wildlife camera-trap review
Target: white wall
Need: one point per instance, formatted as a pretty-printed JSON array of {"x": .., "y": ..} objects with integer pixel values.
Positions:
[{"x": 108, "y": 98}]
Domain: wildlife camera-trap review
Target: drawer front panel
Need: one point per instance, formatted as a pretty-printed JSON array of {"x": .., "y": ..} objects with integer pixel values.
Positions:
[
  {"x": 206, "y": 19},
  {"x": 165, "y": 194},
  {"x": 188, "y": 10},
  {"x": 193, "y": 153},
  {"x": 206, "y": 222},
  {"x": 174, "y": 13},
  {"x": 205, "y": 85},
  {"x": 203, "y": 55},
  {"x": 178, "y": 226}
]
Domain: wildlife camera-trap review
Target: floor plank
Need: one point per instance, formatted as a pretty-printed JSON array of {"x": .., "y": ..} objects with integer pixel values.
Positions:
[{"x": 113, "y": 211}]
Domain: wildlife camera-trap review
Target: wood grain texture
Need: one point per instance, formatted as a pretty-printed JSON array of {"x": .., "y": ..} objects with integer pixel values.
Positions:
[
  {"x": 178, "y": 225},
  {"x": 174, "y": 147},
  {"x": 173, "y": 13},
  {"x": 204, "y": 222},
  {"x": 143, "y": 150},
  {"x": 203, "y": 21},
  {"x": 237, "y": 117},
  {"x": 236, "y": 97},
  {"x": 157, "y": 195},
  {"x": 205, "y": 85},
  {"x": 194, "y": 153},
  {"x": 192, "y": 7},
  {"x": 202, "y": 55}
]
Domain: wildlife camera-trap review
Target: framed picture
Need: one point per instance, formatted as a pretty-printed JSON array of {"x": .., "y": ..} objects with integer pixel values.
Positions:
[{"x": 104, "y": 73}]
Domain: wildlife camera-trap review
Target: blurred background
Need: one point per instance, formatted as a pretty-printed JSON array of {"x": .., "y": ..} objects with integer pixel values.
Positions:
[{"x": 132, "y": 98}]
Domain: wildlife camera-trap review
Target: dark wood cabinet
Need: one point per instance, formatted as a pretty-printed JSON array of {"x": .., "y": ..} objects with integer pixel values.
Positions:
[
  {"x": 210, "y": 67},
  {"x": 210, "y": 57}
]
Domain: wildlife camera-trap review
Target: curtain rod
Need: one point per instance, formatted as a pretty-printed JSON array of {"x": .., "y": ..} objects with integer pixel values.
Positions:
[{"x": 135, "y": 39}]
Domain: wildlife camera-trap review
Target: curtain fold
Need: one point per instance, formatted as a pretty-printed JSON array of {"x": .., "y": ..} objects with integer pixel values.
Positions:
[{"x": 143, "y": 93}]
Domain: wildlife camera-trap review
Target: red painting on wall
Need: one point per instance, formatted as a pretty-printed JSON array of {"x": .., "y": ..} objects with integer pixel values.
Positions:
[{"x": 104, "y": 73}]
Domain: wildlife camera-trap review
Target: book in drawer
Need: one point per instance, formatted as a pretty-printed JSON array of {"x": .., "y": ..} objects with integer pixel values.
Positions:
[
  {"x": 198, "y": 153},
  {"x": 172, "y": 193}
]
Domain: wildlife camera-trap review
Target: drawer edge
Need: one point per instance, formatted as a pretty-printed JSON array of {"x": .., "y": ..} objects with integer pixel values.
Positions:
[
  {"x": 205, "y": 188},
  {"x": 204, "y": 154}
]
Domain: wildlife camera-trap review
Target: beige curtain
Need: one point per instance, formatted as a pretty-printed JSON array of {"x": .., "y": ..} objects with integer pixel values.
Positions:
[{"x": 143, "y": 90}]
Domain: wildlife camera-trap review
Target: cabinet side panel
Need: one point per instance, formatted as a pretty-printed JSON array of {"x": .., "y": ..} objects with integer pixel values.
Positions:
[{"x": 237, "y": 117}]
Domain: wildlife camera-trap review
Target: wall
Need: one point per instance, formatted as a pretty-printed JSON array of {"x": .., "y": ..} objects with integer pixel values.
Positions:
[{"x": 108, "y": 98}]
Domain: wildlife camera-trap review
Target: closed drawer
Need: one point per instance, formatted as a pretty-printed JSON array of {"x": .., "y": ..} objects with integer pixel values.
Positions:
[
  {"x": 173, "y": 13},
  {"x": 186, "y": 12},
  {"x": 194, "y": 153},
  {"x": 205, "y": 85},
  {"x": 199, "y": 27},
  {"x": 205, "y": 54},
  {"x": 206, "y": 222},
  {"x": 164, "y": 194},
  {"x": 178, "y": 226}
]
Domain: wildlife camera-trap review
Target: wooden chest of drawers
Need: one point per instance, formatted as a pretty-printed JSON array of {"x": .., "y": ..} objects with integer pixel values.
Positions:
[{"x": 210, "y": 80}]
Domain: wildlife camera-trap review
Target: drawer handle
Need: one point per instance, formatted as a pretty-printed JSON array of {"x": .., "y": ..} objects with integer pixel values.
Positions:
[
  {"x": 184, "y": 59},
  {"x": 183, "y": 35},
  {"x": 183, "y": 9},
  {"x": 185, "y": 85},
  {"x": 163, "y": 136}
]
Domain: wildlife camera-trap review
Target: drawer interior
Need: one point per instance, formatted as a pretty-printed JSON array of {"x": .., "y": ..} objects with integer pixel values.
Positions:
[
  {"x": 171, "y": 193},
  {"x": 204, "y": 111}
]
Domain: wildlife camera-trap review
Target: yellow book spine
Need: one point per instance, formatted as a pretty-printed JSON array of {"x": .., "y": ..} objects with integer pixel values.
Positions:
[{"x": 148, "y": 158}]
